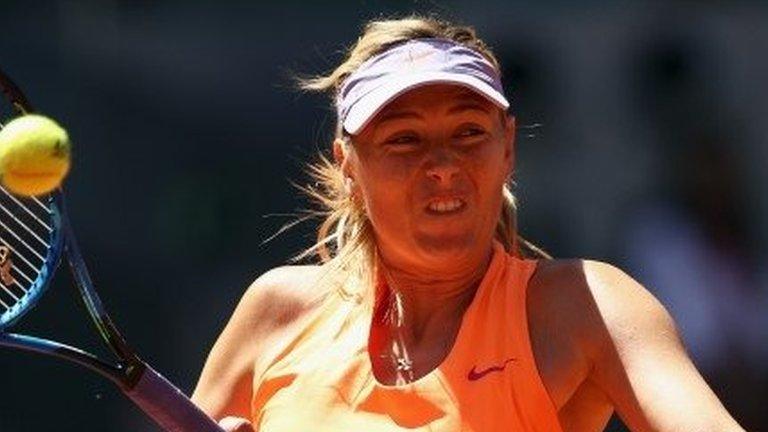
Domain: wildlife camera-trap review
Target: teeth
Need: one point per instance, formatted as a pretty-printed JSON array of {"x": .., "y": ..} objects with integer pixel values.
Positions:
[{"x": 445, "y": 205}]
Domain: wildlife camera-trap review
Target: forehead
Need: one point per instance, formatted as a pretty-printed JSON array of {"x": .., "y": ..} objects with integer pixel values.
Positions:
[{"x": 435, "y": 96}]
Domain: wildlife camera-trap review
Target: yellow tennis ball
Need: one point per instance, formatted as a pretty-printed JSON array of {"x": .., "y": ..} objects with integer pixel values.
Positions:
[{"x": 34, "y": 155}]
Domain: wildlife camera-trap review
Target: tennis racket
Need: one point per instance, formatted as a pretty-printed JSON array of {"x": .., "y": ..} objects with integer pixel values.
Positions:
[{"x": 35, "y": 236}]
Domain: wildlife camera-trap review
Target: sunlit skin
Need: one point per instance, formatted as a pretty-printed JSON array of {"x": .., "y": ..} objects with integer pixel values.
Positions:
[
  {"x": 601, "y": 342},
  {"x": 435, "y": 144}
]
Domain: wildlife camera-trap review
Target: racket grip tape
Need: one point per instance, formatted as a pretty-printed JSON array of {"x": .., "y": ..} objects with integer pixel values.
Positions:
[{"x": 168, "y": 406}]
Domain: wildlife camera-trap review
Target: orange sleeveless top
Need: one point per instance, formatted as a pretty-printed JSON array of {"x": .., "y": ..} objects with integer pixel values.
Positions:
[{"x": 323, "y": 381}]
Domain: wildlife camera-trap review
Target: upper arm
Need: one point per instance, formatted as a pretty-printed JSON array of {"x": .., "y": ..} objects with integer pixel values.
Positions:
[
  {"x": 225, "y": 384},
  {"x": 641, "y": 364}
]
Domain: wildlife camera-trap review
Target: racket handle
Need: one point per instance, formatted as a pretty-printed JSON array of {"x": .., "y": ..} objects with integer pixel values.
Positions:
[{"x": 168, "y": 406}]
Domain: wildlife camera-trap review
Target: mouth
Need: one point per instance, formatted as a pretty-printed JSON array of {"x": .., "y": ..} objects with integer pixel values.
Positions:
[{"x": 445, "y": 206}]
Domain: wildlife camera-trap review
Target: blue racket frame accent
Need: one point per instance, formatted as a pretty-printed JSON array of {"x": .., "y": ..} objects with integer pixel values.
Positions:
[
  {"x": 149, "y": 390},
  {"x": 51, "y": 263},
  {"x": 91, "y": 300},
  {"x": 61, "y": 240},
  {"x": 60, "y": 350}
]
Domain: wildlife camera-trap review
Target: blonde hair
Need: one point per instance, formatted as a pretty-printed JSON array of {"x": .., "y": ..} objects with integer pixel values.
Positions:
[{"x": 345, "y": 237}]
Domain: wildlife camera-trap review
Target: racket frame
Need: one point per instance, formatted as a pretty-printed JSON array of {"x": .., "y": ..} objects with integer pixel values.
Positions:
[
  {"x": 125, "y": 372},
  {"x": 149, "y": 390},
  {"x": 41, "y": 283}
]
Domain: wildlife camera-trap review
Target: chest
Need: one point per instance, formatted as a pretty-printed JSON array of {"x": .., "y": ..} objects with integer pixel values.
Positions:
[
  {"x": 339, "y": 392},
  {"x": 395, "y": 362},
  {"x": 457, "y": 381},
  {"x": 556, "y": 354},
  {"x": 555, "y": 347}
]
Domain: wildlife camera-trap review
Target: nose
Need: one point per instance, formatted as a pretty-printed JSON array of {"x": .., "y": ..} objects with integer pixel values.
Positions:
[{"x": 442, "y": 166}]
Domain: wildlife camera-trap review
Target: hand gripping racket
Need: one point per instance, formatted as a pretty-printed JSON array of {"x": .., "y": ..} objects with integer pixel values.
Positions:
[{"x": 35, "y": 235}]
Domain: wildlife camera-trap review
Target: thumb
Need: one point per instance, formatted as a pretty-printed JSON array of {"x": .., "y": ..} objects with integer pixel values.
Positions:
[{"x": 235, "y": 424}]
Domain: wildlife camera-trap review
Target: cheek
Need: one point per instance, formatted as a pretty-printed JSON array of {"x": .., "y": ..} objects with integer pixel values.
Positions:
[
  {"x": 489, "y": 167},
  {"x": 384, "y": 190},
  {"x": 490, "y": 173}
]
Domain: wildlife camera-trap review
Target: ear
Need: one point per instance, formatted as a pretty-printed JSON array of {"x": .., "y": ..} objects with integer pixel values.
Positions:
[
  {"x": 341, "y": 155},
  {"x": 509, "y": 140}
]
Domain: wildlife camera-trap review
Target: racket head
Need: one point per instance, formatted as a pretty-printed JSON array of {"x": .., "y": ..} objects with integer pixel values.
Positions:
[
  {"x": 31, "y": 245},
  {"x": 31, "y": 235}
]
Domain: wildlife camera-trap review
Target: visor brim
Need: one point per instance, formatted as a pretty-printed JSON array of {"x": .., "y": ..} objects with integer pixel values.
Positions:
[{"x": 366, "y": 108}]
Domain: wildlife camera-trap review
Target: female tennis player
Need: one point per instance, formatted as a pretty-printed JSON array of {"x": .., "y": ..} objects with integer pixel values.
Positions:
[{"x": 428, "y": 311}]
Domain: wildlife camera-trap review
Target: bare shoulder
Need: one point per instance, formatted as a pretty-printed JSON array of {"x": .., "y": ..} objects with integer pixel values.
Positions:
[
  {"x": 581, "y": 276},
  {"x": 622, "y": 307},
  {"x": 629, "y": 349},
  {"x": 592, "y": 295},
  {"x": 273, "y": 305},
  {"x": 560, "y": 295},
  {"x": 600, "y": 307},
  {"x": 281, "y": 296},
  {"x": 569, "y": 304},
  {"x": 267, "y": 311}
]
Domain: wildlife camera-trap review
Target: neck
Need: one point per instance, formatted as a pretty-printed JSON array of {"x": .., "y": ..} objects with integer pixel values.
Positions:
[{"x": 431, "y": 305}]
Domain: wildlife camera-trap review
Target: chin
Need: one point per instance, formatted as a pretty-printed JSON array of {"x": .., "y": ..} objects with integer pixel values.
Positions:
[{"x": 449, "y": 246}]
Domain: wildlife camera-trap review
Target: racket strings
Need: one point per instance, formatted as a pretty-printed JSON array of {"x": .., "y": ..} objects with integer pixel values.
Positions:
[
  {"x": 27, "y": 230},
  {"x": 25, "y": 243}
]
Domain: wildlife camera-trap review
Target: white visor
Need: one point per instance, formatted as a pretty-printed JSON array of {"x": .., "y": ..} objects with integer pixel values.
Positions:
[{"x": 415, "y": 63}]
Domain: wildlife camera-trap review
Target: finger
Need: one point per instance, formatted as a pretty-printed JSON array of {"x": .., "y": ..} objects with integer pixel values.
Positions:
[{"x": 235, "y": 424}]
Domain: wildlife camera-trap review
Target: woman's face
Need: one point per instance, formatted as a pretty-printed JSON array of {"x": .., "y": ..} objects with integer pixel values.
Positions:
[{"x": 429, "y": 169}]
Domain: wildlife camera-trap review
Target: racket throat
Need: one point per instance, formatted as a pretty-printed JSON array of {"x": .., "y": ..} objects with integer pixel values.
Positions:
[{"x": 133, "y": 371}]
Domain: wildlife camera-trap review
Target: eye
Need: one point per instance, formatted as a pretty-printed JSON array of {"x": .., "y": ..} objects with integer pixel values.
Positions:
[
  {"x": 402, "y": 142},
  {"x": 471, "y": 132},
  {"x": 402, "y": 139}
]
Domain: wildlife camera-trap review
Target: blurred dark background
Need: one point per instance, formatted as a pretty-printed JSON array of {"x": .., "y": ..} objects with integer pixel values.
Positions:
[{"x": 642, "y": 143}]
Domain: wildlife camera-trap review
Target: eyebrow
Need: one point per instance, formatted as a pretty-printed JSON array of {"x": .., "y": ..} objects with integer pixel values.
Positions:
[
  {"x": 470, "y": 106},
  {"x": 463, "y": 106},
  {"x": 399, "y": 115}
]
